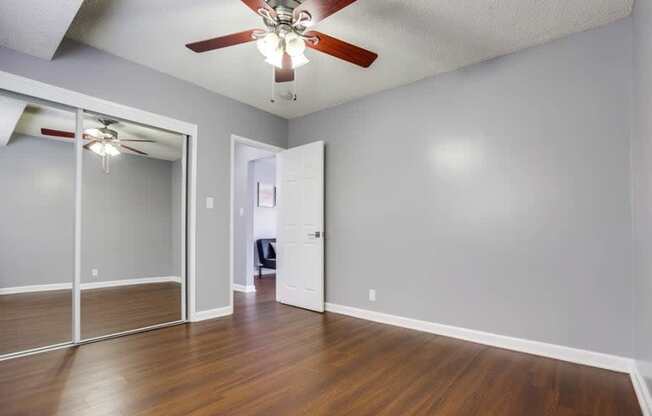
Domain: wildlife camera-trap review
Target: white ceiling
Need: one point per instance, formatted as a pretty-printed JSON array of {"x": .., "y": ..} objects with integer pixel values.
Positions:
[
  {"x": 36, "y": 27},
  {"x": 168, "y": 146},
  {"x": 414, "y": 38}
]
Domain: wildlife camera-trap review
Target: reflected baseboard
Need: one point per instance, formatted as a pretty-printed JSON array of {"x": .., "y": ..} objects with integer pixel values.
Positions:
[{"x": 89, "y": 285}]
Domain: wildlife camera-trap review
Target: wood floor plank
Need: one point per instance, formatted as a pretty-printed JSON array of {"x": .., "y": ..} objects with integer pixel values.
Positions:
[{"x": 271, "y": 359}]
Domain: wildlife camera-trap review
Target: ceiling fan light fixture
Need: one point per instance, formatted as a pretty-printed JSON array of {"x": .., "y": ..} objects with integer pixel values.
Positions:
[
  {"x": 104, "y": 149},
  {"x": 294, "y": 45},
  {"x": 111, "y": 150},
  {"x": 269, "y": 44},
  {"x": 98, "y": 148}
]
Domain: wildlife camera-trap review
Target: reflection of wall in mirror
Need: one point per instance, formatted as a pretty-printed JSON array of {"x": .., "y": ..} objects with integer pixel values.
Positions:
[{"x": 130, "y": 217}]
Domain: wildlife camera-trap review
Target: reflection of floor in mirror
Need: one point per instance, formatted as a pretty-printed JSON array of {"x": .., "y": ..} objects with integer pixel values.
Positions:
[{"x": 31, "y": 320}]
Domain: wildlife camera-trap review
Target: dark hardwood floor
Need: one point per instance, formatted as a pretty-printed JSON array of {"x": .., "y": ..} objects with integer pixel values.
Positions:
[
  {"x": 32, "y": 320},
  {"x": 270, "y": 359}
]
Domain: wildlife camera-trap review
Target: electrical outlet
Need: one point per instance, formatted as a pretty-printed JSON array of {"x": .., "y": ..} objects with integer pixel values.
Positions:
[
  {"x": 210, "y": 202},
  {"x": 95, "y": 272},
  {"x": 372, "y": 295}
]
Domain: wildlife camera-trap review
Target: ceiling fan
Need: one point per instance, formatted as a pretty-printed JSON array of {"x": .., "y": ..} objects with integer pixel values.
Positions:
[
  {"x": 103, "y": 141},
  {"x": 286, "y": 35}
]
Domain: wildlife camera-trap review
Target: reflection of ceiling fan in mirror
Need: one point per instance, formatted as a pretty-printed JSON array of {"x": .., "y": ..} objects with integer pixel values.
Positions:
[{"x": 103, "y": 141}]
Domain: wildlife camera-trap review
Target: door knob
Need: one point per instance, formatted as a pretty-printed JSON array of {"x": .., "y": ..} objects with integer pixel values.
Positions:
[{"x": 316, "y": 234}]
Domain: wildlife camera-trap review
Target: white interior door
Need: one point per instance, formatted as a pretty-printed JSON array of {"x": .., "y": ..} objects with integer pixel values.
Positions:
[{"x": 300, "y": 228}]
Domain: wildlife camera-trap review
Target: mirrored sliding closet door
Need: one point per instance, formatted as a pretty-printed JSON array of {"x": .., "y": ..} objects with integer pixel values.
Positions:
[
  {"x": 133, "y": 187},
  {"x": 92, "y": 226},
  {"x": 37, "y": 215}
]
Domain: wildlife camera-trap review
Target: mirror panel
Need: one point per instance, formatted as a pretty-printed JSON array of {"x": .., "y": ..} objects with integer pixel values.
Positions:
[
  {"x": 131, "y": 273},
  {"x": 37, "y": 181}
]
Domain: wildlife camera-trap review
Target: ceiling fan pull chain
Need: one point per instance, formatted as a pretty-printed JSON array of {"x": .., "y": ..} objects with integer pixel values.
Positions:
[{"x": 105, "y": 163}]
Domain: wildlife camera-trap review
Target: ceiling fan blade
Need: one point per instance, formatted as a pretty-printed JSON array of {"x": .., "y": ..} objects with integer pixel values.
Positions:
[
  {"x": 285, "y": 74},
  {"x": 134, "y": 150},
  {"x": 321, "y": 9},
  {"x": 58, "y": 133},
  {"x": 222, "y": 41},
  {"x": 64, "y": 134},
  {"x": 343, "y": 50},
  {"x": 89, "y": 144},
  {"x": 256, "y": 5},
  {"x": 138, "y": 140}
]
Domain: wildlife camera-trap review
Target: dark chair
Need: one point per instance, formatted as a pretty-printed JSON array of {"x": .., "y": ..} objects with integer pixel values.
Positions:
[{"x": 266, "y": 255}]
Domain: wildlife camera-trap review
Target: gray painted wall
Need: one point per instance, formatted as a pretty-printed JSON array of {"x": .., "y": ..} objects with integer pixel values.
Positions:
[
  {"x": 127, "y": 219},
  {"x": 494, "y": 198},
  {"x": 81, "y": 68},
  {"x": 127, "y": 215},
  {"x": 642, "y": 185}
]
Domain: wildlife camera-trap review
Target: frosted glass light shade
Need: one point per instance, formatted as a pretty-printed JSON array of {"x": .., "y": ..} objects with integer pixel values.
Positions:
[
  {"x": 294, "y": 45},
  {"x": 269, "y": 44},
  {"x": 111, "y": 150}
]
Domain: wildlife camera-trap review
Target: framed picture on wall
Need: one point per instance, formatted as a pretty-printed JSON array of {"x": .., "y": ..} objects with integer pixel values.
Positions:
[{"x": 266, "y": 195}]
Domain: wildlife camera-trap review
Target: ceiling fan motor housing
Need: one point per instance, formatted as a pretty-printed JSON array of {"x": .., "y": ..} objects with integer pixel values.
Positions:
[
  {"x": 109, "y": 134},
  {"x": 287, "y": 4}
]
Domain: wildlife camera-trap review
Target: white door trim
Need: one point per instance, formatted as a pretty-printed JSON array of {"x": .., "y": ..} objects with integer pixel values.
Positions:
[
  {"x": 22, "y": 85},
  {"x": 235, "y": 139},
  {"x": 76, "y": 282}
]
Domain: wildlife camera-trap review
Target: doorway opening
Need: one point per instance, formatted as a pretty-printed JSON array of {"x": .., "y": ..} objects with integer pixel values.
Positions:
[
  {"x": 292, "y": 248},
  {"x": 254, "y": 216}
]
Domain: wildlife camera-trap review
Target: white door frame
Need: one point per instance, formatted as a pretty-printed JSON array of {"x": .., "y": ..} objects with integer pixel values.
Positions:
[
  {"x": 29, "y": 87},
  {"x": 235, "y": 139}
]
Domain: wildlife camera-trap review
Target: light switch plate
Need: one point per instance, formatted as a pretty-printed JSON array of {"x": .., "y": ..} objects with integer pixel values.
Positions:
[{"x": 210, "y": 202}]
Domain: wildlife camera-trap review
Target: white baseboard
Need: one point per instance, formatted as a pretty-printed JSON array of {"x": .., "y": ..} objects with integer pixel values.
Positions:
[
  {"x": 130, "y": 282},
  {"x": 559, "y": 352},
  {"x": 89, "y": 285},
  {"x": 34, "y": 288},
  {"x": 642, "y": 390},
  {"x": 243, "y": 288},
  {"x": 211, "y": 314}
]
